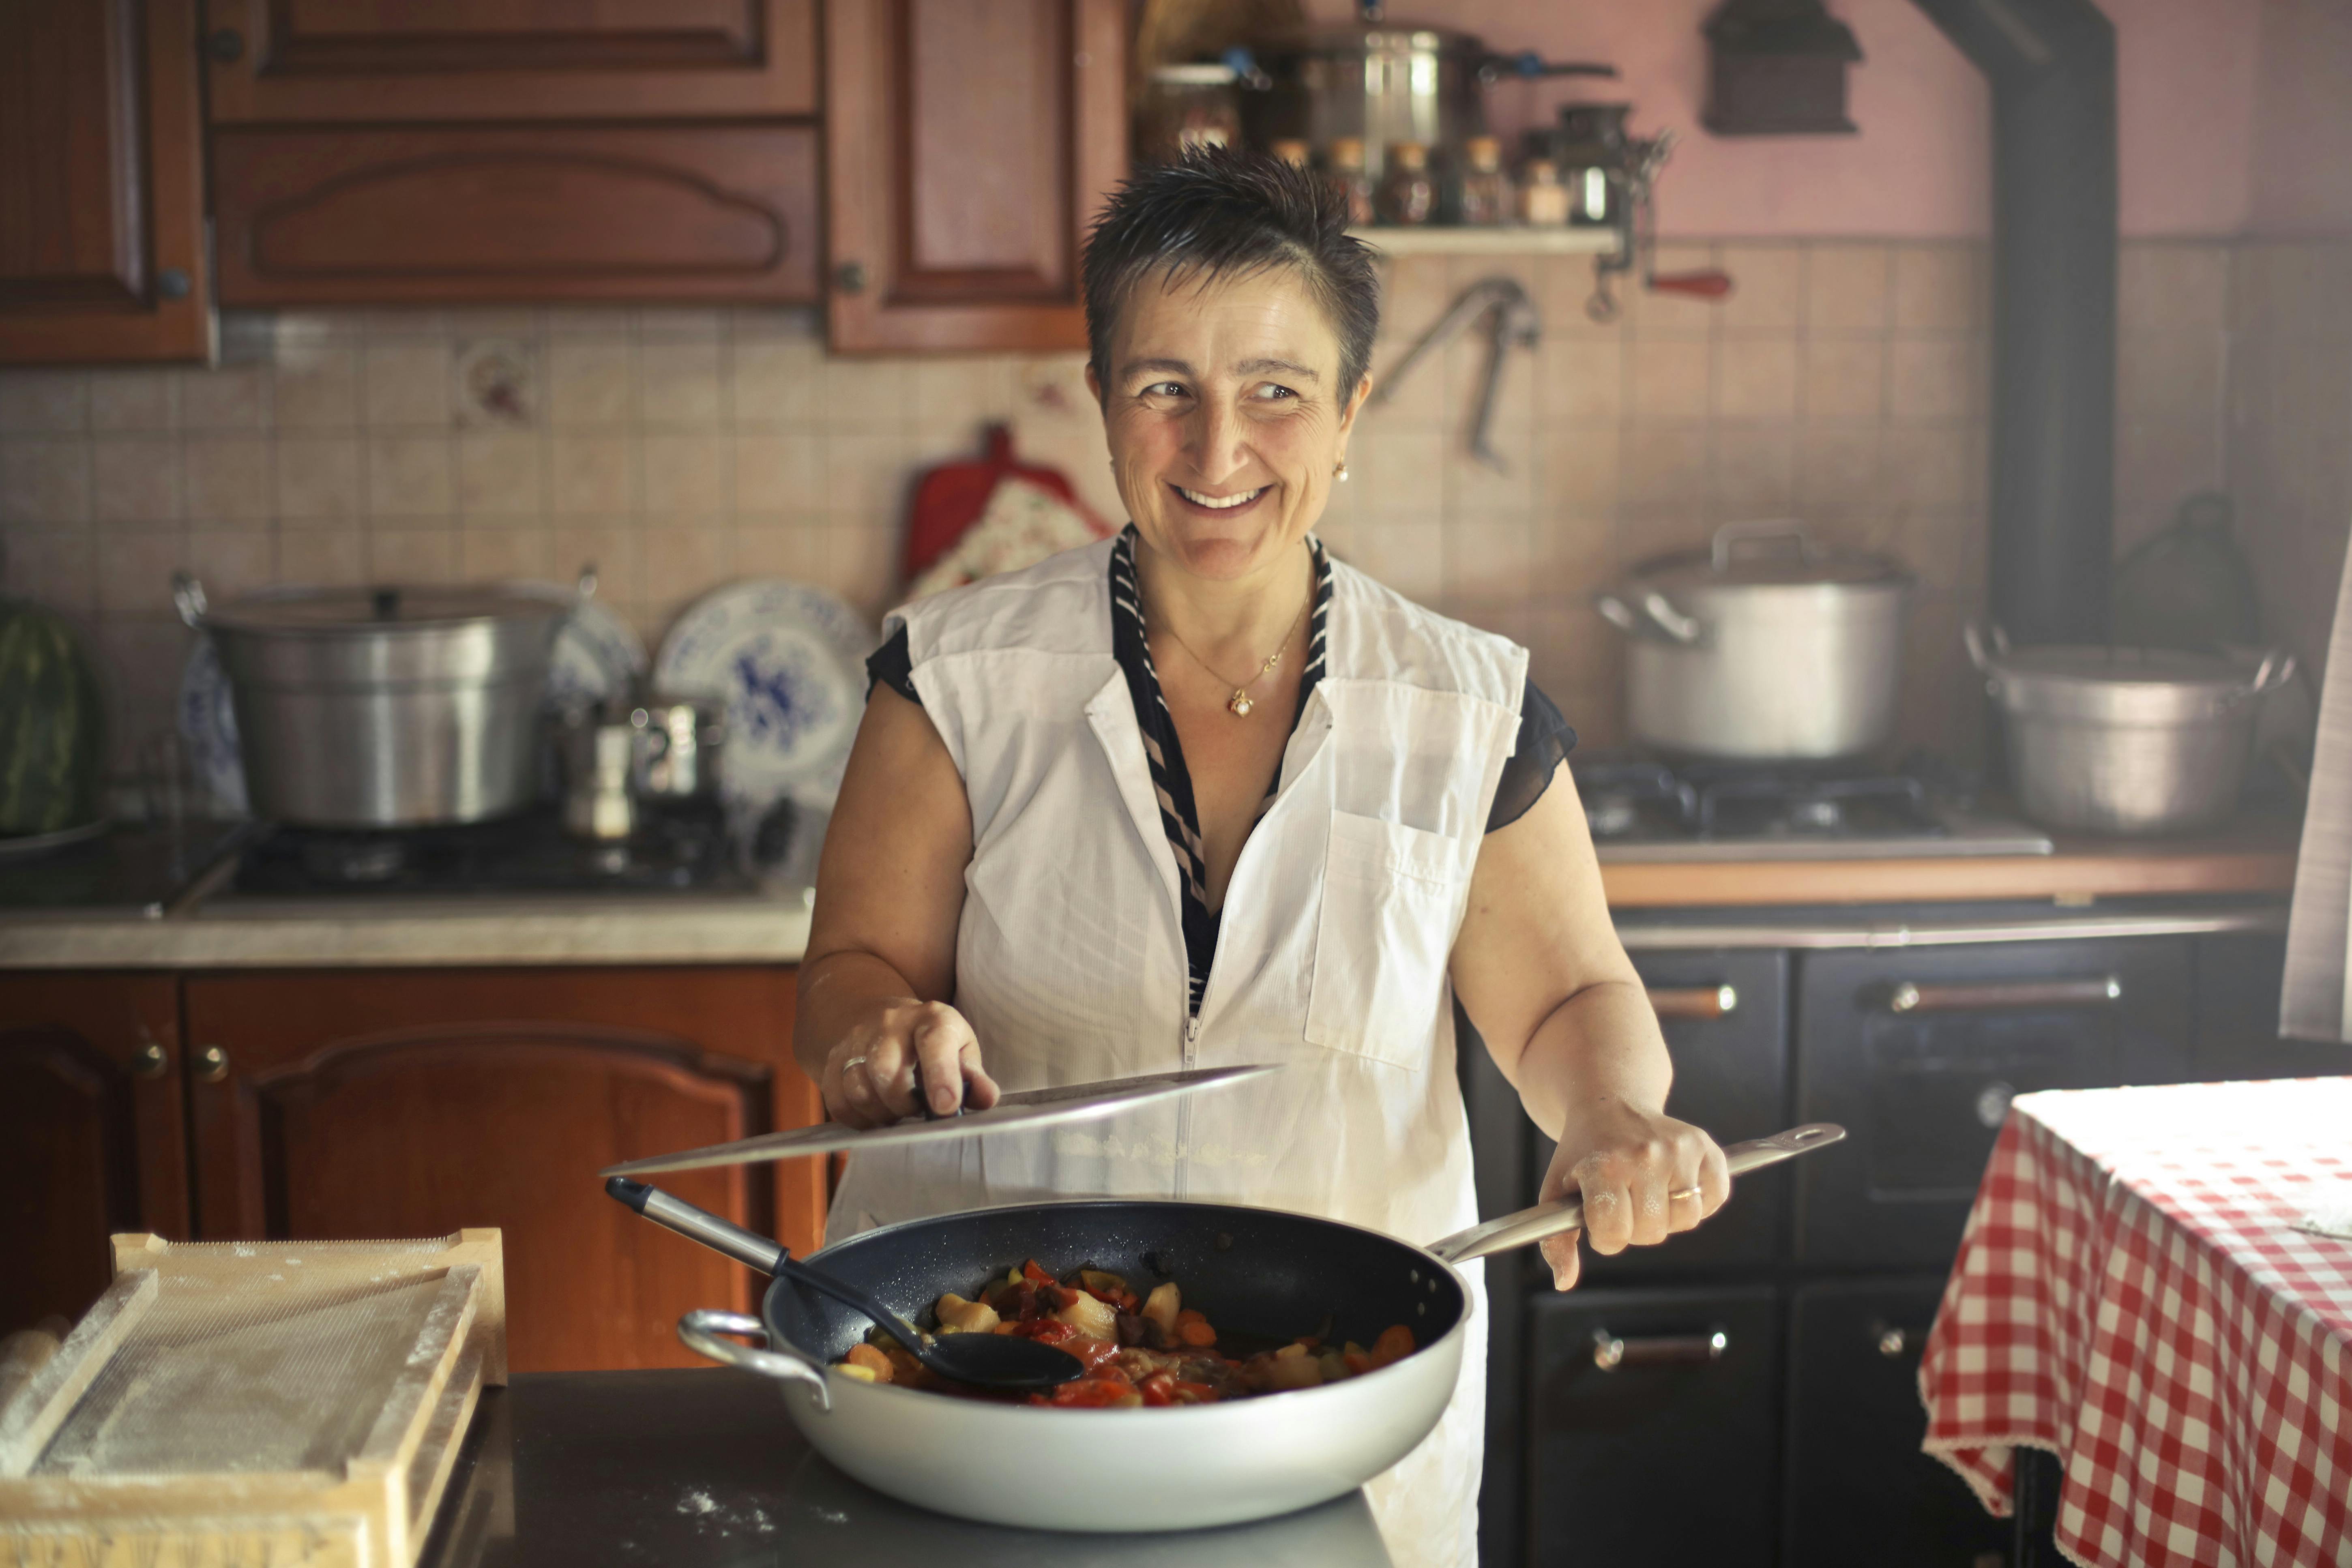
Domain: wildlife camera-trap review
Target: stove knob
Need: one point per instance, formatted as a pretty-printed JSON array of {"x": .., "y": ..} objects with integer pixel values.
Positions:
[{"x": 1992, "y": 1103}]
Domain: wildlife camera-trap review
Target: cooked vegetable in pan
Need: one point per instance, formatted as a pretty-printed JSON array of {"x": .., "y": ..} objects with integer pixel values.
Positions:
[{"x": 1138, "y": 1350}]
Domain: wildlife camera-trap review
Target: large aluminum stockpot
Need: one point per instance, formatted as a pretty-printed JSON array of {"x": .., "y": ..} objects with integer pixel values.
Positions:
[
  {"x": 1762, "y": 648},
  {"x": 384, "y": 707},
  {"x": 2125, "y": 739}
]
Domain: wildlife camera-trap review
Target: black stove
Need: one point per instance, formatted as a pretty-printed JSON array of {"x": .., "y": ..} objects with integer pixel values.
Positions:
[
  {"x": 1641, "y": 809},
  {"x": 686, "y": 850}
]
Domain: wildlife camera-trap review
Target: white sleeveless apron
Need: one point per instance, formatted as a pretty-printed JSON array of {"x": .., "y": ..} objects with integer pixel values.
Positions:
[{"x": 1336, "y": 929}]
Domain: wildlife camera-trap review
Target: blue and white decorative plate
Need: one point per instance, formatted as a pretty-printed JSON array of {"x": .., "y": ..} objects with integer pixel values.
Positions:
[
  {"x": 208, "y": 729},
  {"x": 596, "y": 655},
  {"x": 789, "y": 661}
]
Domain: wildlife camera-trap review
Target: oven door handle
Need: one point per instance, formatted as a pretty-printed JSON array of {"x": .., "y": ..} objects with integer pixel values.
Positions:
[
  {"x": 1611, "y": 1351},
  {"x": 2003, "y": 996},
  {"x": 1702, "y": 1002}
]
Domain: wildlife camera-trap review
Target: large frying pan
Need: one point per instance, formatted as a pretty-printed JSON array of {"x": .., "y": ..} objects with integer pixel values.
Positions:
[{"x": 1252, "y": 1271}]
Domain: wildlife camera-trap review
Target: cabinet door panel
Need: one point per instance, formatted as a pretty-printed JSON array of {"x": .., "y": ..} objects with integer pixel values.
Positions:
[
  {"x": 101, "y": 182},
  {"x": 969, "y": 144},
  {"x": 615, "y": 214},
  {"x": 371, "y": 1105},
  {"x": 409, "y": 60},
  {"x": 91, "y": 1136}
]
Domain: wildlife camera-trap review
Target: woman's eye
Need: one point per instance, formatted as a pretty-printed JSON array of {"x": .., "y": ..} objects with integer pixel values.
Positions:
[
  {"x": 1271, "y": 392},
  {"x": 1164, "y": 389}
]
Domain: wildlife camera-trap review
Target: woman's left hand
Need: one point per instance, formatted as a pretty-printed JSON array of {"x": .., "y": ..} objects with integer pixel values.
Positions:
[{"x": 1642, "y": 1175}]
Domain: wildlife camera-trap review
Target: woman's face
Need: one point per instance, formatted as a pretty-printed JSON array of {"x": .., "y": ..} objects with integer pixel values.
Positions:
[{"x": 1225, "y": 417}]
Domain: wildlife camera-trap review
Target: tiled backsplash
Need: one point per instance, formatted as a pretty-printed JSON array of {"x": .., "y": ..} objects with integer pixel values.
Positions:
[{"x": 1841, "y": 383}]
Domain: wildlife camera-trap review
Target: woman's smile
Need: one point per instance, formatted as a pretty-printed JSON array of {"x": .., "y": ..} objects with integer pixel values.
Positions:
[{"x": 1232, "y": 501}]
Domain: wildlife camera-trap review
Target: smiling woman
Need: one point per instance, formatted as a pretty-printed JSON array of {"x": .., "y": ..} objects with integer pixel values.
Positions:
[{"x": 1201, "y": 795}]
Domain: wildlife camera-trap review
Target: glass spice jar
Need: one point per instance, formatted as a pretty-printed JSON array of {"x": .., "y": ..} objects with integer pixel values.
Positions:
[
  {"x": 1543, "y": 200},
  {"x": 1344, "y": 161},
  {"x": 1407, "y": 195},
  {"x": 1486, "y": 189},
  {"x": 1186, "y": 107},
  {"x": 1290, "y": 151}
]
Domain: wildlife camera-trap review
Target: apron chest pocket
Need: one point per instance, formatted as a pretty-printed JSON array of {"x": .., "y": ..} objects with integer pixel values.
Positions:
[{"x": 1391, "y": 897}]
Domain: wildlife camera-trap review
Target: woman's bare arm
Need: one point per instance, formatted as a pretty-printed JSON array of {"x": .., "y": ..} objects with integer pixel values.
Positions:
[
  {"x": 1540, "y": 971},
  {"x": 880, "y": 966}
]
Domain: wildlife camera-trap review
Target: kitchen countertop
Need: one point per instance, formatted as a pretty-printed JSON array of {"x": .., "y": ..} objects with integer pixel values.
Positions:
[{"x": 681, "y": 1469}]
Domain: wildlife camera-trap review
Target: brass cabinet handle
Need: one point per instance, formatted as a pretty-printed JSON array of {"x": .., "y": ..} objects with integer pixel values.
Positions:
[
  {"x": 1693, "y": 1001},
  {"x": 212, "y": 1065},
  {"x": 1891, "y": 1341},
  {"x": 150, "y": 1060},
  {"x": 1609, "y": 1352},
  {"x": 2002, "y": 995}
]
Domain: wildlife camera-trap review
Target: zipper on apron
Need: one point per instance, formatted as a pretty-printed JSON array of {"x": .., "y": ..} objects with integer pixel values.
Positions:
[{"x": 1184, "y": 1116}]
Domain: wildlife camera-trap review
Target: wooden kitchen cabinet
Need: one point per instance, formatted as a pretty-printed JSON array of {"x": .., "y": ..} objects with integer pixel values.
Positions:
[
  {"x": 92, "y": 1138},
  {"x": 377, "y": 1103},
  {"x": 102, "y": 183},
  {"x": 328, "y": 62},
  {"x": 968, "y": 145}
]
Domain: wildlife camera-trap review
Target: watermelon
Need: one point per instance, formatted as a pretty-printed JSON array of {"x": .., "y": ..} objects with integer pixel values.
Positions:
[{"x": 52, "y": 724}]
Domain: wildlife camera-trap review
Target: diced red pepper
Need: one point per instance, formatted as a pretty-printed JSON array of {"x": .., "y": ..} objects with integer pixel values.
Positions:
[{"x": 1158, "y": 1389}]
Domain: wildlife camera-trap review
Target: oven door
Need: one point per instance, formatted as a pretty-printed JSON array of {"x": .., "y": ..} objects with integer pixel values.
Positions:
[{"x": 1917, "y": 1053}]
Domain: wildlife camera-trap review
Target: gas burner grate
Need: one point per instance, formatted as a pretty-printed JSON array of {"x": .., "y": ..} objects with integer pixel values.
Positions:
[{"x": 674, "y": 851}]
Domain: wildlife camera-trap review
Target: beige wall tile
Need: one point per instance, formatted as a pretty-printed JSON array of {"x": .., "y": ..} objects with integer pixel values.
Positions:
[
  {"x": 862, "y": 566},
  {"x": 1756, "y": 378},
  {"x": 1662, "y": 469},
  {"x": 687, "y": 322},
  {"x": 319, "y": 477},
  {"x": 1933, "y": 467},
  {"x": 962, "y": 394},
  {"x": 612, "y": 545},
  {"x": 591, "y": 382},
  {"x": 1580, "y": 381},
  {"x": 1945, "y": 549},
  {"x": 233, "y": 561},
  {"x": 679, "y": 382},
  {"x": 1416, "y": 402},
  {"x": 1490, "y": 559},
  {"x": 1932, "y": 379},
  {"x": 319, "y": 388},
  {"x": 133, "y": 400},
  {"x": 1471, "y": 489},
  {"x": 1672, "y": 380},
  {"x": 864, "y": 395},
  {"x": 1412, "y": 296},
  {"x": 1579, "y": 476},
  {"x": 2172, "y": 288},
  {"x": 404, "y": 320},
  {"x": 413, "y": 554},
  {"x": 1768, "y": 287},
  {"x": 1844, "y": 378},
  {"x": 45, "y": 480},
  {"x": 868, "y": 479},
  {"x": 1838, "y": 471},
  {"x": 135, "y": 479},
  {"x": 1939, "y": 287},
  {"x": 683, "y": 563},
  {"x": 692, "y": 475},
  {"x": 234, "y": 397},
  {"x": 407, "y": 382},
  {"x": 780, "y": 473},
  {"x": 138, "y": 568},
  {"x": 52, "y": 567},
  {"x": 795, "y": 550},
  {"x": 2173, "y": 376},
  {"x": 1407, "y": 555},
  {"x": 609, "y": 322},
  {"x": 1754, "y": 471},
  {"x": 589, "y": 473},
  {"x": 1399, "y": 472},
  {"x": 501, "y": 554},
  {"x": 43, "y": 402},
  {"x": 777, "y": 382},
  {"x": 324, "y": 557},
  {"x": 227, "y": 477},
  {"x": 498, "y": 472},
  {"x": 1847, "y": 288},
  {"x": 409, "y": 476}
]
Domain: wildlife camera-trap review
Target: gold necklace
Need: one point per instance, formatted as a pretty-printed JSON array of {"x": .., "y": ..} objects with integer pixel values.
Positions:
[{"x": 1239, "y": 704}]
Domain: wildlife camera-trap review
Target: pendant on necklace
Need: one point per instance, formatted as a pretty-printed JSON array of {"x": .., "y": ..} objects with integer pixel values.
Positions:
[{"x": 1239, "y": 704}]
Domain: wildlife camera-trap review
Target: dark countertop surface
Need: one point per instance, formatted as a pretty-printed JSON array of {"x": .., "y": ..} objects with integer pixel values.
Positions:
[{"x": 681, "y": 1469}]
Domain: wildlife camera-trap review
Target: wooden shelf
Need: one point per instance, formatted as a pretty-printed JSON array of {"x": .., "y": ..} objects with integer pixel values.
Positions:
[{"x": 1443, "y": 241}]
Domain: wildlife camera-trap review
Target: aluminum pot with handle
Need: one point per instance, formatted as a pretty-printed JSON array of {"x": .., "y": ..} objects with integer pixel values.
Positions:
[
  {"x": 1764, "y": 646},
  {"x": 389, "y": 705},
  {"x": 2125, "y": 740},
  {"x": 1256, "y": 1270}
]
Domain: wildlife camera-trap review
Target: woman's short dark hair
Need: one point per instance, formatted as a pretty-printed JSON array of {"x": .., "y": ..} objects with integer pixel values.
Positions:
[{"x": 1221, "y": 212}]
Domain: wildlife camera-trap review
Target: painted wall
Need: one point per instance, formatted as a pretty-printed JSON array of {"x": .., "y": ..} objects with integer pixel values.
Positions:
[
  {"x": 2302, "y": 170},
  {"x": 2188, "y": 75}
]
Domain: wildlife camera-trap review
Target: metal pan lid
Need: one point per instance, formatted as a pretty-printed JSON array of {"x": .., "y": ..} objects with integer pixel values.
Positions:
[
  {"x": 384, "y": 607},
  {"x": 1021, "y": 1108},
  {"x": 1769, "y": 552}
]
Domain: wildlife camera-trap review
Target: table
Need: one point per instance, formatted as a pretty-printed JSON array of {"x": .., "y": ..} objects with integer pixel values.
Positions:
[
  {"x": 2132, "y": 1295},
  {"x": 676, "y": 1469}
]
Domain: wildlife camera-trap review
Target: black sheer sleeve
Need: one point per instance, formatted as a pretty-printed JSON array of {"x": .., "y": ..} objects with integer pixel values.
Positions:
[
  {"x": 1544, "y": 741},
  {"x": 894, "y": 667}
]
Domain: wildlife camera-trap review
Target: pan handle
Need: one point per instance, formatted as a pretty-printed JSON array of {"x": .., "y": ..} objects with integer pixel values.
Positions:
[
  {"x": 1515, "y": 1230},
  {"x": 699, "y": 1330}
]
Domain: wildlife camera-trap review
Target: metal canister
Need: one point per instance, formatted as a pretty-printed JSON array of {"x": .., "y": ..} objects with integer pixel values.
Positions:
[{"x": 679, "y": 747}]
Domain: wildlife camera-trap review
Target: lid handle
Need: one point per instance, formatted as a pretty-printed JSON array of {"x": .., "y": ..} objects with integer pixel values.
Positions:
[
  {"x": 1784, "y": 529},
  {"x": 385, "y": 604},
  {"x": 188, "y": 598}
]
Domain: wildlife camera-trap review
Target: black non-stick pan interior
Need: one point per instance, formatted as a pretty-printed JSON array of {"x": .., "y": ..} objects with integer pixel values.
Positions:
[{"x": 1254, "y": 1272}]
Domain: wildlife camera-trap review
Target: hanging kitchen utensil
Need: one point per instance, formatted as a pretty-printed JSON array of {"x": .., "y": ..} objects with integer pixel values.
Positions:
[
  {"x": 1021, "y": 1108},
  {"x": 1516, "y": 324},
  {"x": 1636, "y": 218},
  {"x": 1268, "y": 1271}
]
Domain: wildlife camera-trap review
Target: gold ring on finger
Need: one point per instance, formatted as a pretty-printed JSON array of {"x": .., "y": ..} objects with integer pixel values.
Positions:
[
  {"x": 1679, "y": 1193},
  {"x": 853, "y": 1063}
]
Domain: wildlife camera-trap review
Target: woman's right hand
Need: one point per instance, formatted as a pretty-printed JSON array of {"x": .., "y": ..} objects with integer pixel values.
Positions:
[{"x": 869, "y": 1074}]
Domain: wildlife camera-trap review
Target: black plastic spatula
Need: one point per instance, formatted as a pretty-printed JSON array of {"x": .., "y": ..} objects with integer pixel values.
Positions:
[{"x": 1006, "y": 1362}]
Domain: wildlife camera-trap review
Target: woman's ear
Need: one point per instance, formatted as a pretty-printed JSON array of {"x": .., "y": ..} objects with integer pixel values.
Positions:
[
  {"x": 1094, "y": 383},
  {"x": 1355, "y": 404}
]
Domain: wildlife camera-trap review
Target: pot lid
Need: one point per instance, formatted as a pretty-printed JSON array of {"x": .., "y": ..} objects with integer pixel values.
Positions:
[
  {"x": 2123, "y": 665},
  {"x": 1769, "y": 554},
  {"x": 386, "y": 607},
  {"x": 1357, "y": 38}
]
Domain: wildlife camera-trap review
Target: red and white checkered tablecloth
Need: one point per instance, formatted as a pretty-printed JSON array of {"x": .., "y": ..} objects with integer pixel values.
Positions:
[{"x": 2131, "y": 1295}]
